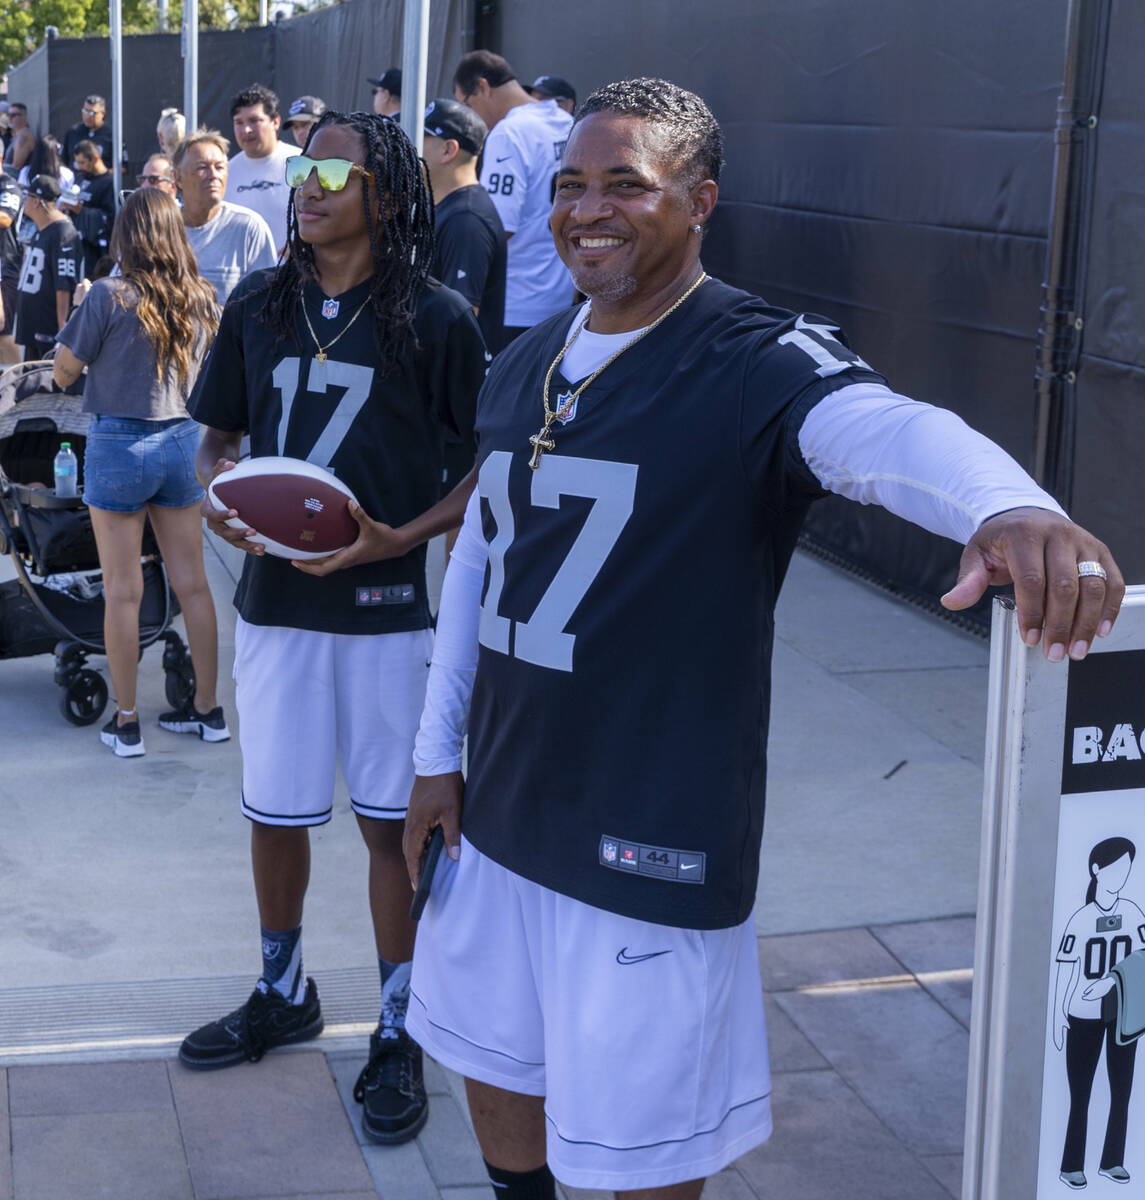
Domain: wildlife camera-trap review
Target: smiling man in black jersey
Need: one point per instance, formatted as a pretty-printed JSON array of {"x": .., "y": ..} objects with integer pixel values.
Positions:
[
  {"x": 348, "y": 356},
  {"x": 644, "y": 465}
]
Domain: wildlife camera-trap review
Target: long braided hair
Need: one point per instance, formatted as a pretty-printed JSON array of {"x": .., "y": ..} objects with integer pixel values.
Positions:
[{"x": 400, "y": 228}]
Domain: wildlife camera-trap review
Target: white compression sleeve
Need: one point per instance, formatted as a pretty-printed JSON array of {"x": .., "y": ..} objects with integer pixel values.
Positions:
[
  {"x": 445, "y": 716},
  {"x": 920, "y": 462}
]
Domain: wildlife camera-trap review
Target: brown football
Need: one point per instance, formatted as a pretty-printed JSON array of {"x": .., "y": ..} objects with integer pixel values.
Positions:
[{"x": 299, "y": 510}]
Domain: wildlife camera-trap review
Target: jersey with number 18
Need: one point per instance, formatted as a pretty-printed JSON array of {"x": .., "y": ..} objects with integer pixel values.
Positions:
[{"x": 619, "y": 716}]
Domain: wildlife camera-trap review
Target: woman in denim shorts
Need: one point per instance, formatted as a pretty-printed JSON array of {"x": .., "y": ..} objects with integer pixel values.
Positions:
[{"x": 142, "y": 336}]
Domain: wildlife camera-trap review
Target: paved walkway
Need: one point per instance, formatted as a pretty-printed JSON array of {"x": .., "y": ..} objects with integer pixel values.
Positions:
[{"x": 126, "y": 917}]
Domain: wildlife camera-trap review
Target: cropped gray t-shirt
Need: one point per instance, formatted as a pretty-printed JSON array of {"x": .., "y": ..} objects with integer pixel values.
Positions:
[{"x": 122, "y": 380}]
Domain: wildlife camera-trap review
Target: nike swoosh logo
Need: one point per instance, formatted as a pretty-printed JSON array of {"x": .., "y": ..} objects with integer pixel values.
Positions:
[
  {"x": 503, "y": 157},
  {"x": 625, "y": 959},
  {"x": 688, "y": 866}
]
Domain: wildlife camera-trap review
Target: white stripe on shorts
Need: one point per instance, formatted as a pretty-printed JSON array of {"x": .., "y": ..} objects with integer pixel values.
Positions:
[
  {"x": 648, "y": 1042},
  {"x": 308, "y": 701}
]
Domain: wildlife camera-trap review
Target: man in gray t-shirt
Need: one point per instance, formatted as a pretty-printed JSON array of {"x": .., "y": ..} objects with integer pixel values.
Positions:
[{"x": 228, "y": 241}]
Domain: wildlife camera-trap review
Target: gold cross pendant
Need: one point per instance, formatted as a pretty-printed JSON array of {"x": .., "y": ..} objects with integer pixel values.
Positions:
[
  {"x": 540, "y": 443},
  {"x": 320, "y": 356}
]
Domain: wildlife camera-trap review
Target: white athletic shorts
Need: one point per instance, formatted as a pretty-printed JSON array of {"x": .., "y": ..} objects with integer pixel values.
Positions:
[
  {"x": 308, "y": 701},
  {"x": 647, "y": 1042}
]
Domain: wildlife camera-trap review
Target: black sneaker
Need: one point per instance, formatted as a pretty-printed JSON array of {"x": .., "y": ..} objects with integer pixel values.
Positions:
[
  {"x": 391, "y": 1090},
  {"x": 266, "y": 1020},
  {"x": 125, "y": 740},
  {"x": 211, "y": 727}
]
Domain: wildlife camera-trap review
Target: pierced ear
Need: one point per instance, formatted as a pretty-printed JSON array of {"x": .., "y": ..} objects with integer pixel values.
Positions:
[{"x": 704, "y": 196}]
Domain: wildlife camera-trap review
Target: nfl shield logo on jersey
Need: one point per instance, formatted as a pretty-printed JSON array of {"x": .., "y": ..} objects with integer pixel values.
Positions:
[
  {"x": 609, "y": 851},
  {"x": 563, "y": 399},
  {"x": 330, "y": 309}
]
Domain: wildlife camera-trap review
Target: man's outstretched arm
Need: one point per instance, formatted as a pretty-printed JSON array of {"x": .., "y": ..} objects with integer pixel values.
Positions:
[{"x": 927, "y": 465}]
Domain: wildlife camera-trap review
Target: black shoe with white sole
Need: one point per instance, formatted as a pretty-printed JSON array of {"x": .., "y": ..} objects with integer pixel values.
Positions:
[
  {"x": 211, "y": 727},
  {"x": 125, "y": 740}
]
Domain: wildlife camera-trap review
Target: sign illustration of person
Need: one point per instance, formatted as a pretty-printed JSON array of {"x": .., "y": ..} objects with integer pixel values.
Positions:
[{"x": 1107, "y": 929}]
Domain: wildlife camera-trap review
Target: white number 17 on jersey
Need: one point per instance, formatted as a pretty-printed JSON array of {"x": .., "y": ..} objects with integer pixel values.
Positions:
[{"x": 542, "y": 639}]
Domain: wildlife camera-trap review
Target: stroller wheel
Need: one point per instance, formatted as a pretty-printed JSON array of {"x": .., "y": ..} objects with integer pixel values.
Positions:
[
  {"x": 179, "y": 684},
  {"x": 84, "y": 698}
]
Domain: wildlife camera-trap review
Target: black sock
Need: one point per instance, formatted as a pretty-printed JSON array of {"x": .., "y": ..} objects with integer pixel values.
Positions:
[{"x": 522, "y": 1185}]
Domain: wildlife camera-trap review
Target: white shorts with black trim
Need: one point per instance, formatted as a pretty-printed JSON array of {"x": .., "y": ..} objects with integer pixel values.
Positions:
[
  {"x": 647, "y": 1042},
  {"x": 308, "y": 701}
]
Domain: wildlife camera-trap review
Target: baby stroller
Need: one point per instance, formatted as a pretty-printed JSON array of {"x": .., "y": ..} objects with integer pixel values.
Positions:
[{"x": 55, "y": 603}]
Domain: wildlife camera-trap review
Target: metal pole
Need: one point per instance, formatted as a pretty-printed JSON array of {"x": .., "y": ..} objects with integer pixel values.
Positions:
[
  {"x": 162, "y": 7},
  {"x": 415, "y": 55},
  {"x": 116, "y": 23},
  {"x": 1062, "y": 318},
  {"x": 191, "y": 63},
  {"x": 262, "y": 12}
]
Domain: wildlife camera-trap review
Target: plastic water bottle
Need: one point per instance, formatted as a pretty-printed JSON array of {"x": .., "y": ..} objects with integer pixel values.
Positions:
[{"x": 66, "y": 470}]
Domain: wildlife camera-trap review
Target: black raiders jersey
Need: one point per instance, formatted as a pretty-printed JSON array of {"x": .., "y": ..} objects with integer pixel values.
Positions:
[
  {"x": 382, "y": 437},
  {"x": 618, "y": 725},
  {"x": 470, "y": 255},
  {"x": 53, "y": 262}
]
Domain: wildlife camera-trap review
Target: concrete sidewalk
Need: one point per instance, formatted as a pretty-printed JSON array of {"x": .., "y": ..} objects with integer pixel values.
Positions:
[{"x": 128, "y": 918}]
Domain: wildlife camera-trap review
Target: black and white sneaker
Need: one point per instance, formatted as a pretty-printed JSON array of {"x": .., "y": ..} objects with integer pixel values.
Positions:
[
  {"x": 211, "y": 727},
  {"x": 125, "y": 740},
  {"x": 391, "y": 1089},
  {"x": 266, "y": 1020}
]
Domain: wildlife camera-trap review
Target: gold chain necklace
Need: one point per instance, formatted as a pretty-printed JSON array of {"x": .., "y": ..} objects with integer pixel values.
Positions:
[
  {"x": 321, "y": 355},
  {"x": 542, "y": 440}
]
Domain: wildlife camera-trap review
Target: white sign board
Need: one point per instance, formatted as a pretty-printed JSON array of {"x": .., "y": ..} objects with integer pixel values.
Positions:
[{"x": 1059, "y": 993}]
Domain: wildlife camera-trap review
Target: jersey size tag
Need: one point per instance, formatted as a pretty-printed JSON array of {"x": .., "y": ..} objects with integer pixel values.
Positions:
[
  {"x": 674, "y": 866},
  {"x": 394, "y": 593}
]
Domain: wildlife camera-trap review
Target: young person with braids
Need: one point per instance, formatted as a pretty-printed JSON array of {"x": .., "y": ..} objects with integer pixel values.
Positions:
[
  {"x": 142, "y": 335},
  {"x": 348, "y": 356}
]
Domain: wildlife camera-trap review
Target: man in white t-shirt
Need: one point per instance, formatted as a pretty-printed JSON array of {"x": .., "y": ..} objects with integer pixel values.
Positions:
[
  {"x": 228, "y": 240},
  {"x": 522, "y": 153},
  {"x": 256, "y": 178}
]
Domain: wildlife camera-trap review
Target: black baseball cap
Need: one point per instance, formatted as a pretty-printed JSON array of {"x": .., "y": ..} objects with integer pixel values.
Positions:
[
  {"x": 552, "y": 87},
  {"x": 391, "y": 80},
  {"x": 446, "y": 118},
  {"x": 305, "y": 108},
  {"x": 47, "y": 187}
]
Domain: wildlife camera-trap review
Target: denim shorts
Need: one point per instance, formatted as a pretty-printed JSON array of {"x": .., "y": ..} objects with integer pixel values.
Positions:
[{"x": 129, "y": 463}]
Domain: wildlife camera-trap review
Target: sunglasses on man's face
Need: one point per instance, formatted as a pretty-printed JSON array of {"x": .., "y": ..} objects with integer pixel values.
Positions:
[
  {"x": 333, "y": 173},
  {"x": 153, "y": 180}
]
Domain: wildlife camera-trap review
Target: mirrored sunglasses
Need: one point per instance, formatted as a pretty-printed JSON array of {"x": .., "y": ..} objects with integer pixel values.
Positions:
[
  {"x": 333, "y": 173},
  {"x": 153, "y": 180}
]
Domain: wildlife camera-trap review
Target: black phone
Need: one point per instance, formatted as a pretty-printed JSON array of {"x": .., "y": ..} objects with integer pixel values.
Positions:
[{"x": 428, "y": 866}]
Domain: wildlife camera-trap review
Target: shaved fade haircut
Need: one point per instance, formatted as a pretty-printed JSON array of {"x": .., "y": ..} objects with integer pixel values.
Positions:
[{"x": 684, "y": 119}]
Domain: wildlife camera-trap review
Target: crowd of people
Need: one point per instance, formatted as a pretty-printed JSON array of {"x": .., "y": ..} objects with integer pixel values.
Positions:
[{"x": 516, "y": 335}]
